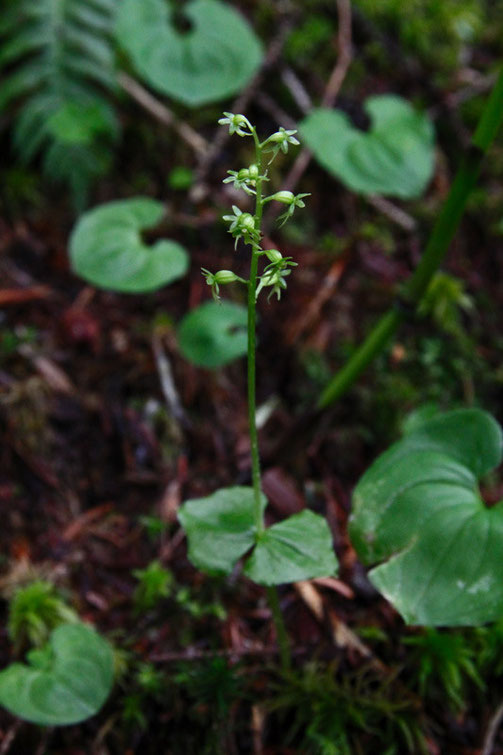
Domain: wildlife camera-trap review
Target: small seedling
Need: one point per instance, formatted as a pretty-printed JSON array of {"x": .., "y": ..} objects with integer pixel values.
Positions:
[
  {"x": 155, "y": 583},
  {"x": 34, "y": 611}
]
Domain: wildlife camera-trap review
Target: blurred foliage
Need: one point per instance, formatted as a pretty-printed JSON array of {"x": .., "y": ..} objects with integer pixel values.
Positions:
[
  {"x": 444, "y": 664},
  {"x": 324, "y": 711},
  {"x": 58, "y": 65},
  {"x": 34, "y": 611},
  {"x": 154, "y": 584},
  {"x": 438, "y": 31}
]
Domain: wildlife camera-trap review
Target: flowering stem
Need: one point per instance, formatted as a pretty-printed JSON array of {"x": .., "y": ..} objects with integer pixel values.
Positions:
[
  {"x": 272, "y": 592},
  {"x": 252, "y": 287}
]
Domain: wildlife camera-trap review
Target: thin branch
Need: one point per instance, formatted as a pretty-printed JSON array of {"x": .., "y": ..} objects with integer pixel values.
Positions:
[
  {"x": 394, "y": 213},
  {"x": 344, "y": 56},
  {"x": 194, "y": 654},
  {"x": 344, "y": 45},
  {"x": 162, "y": 113},
  {"x": 270, "y": 106},
  {"x": 297, "y": 90},
  {"x": 10, "y": 736},
  {"x": 492, "y": 730},
  {"x": 167, "y": 381},
  {"x": 240, "y": 105}
]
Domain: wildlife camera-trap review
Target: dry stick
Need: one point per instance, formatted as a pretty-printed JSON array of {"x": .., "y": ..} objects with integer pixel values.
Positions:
[
  {"x": 344, "y": 45},
  {"x": 10, "y": 736},
  {"x": 167, "y": 381},
  {"x": 195, "y": 654},
  {"x": 199, "y": 190},
  {"x": 494, "y": 724},
  {"x": 394, "y": 213},
  {"x": 162, "y": 113},
  {"x": 297, "y": 90}
]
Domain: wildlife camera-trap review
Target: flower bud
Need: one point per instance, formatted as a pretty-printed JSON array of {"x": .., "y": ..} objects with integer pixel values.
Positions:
[
  {"x": 273, "y": 255},
  {"x": 253, "y": 171},
  {"x": 284, "y": 196},
  {"x": 225, "y": 276},
  {"x": 243, "y": 174},
  {"x": 246, "y": 222}
]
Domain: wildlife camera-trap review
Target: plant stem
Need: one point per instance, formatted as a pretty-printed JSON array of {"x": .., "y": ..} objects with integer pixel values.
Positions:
[
  {"x": 279, "y": 624},
  {"x": 435, "y": 251},
  {"x": 252, "y": 287},
  {"x": 272, "y": 592}
]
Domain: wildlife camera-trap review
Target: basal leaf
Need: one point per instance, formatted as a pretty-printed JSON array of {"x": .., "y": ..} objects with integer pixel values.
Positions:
[
  {"x": 298, "y": 548},
  {"x": 395, "y": 157},
  {"x": 107, "y": 250},
  {"x": 68, "y": 682},
  {"x": 220, "y": 528},
  {"x": 418, "y": 513},
  {"x": 213, "y": 334},
  {"x": 211, "y": 60}
]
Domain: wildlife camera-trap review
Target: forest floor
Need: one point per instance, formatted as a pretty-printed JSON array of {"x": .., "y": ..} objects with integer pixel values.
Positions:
[{"x": 95, "y": 462}]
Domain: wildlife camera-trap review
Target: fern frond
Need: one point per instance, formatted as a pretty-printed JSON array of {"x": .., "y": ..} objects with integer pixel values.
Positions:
[{"x": 55, "y": 55}]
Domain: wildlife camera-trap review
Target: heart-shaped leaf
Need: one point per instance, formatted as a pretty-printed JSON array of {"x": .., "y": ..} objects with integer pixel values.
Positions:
[
  {"x": 418, "y": 510},
  {"x": 220, "y": 528},
  {"x": 107, "y": 250},
  {"x": 214, "y": 334},
  {"x": 395, "y": 157},
  {"x": 211, "y": 59},
  {"x": 298, "y": 548},
  {"x": 68, "y": 682}
]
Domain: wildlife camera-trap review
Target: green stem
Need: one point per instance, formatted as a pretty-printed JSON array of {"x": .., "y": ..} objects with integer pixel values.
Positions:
[
  {"x": 252, "y": 287},
  {"x": 435, "y": 251},
  {"x": 279, "y": 624},
  {"x": 272, "y": 593}
]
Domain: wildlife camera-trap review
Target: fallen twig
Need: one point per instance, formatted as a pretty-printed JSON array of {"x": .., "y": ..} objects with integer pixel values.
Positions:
[
  {"x": 492, "y": 730},
  {"x": 199, "y": 190},
  {"x": 162, "y": 113},
  {"x": 20, "y": 295},
  {"x": 167, "y": 382},
  {"x": 9, "y": 737},
  {"x": 344, "y": 47}
]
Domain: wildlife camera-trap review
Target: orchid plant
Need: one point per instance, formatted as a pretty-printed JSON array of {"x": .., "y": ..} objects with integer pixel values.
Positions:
[{"x": 229, "y": 524}]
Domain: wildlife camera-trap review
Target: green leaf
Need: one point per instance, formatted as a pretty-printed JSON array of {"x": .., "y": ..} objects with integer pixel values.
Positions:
[
  {"x": 298, "y": 548},
  {"x": 106, "y": 248},
  {"x": 418, "y": 510},
  {"x": 68, "y": 682},
  {"x": 57, "y": 56},
  {"x": 210, "y": 61},
  {"x": 395, "y": 157},
  {"x": 214, "y": 334},
  {"x": 220, "y": 528},
  {"x": 80, "y": 124}
]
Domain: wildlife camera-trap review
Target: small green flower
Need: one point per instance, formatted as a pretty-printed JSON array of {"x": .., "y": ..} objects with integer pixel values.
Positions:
[
  {"x": 295, "y": 201},
  {"x": 275, "y": 279},
  {"x": 236, "y": 122},
  {"x": 244, "y": 179},
  {"x": 242, "y": 224},
  {"x": 283, "y": 138},
  {"x": 273, "y": 255},
  {"x": 222, "y": 277}
]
